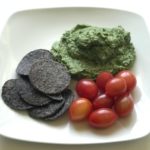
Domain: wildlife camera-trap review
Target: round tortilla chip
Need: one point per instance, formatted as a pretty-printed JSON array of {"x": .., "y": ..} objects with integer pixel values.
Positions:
[
  {"x": 29, "y": 59},
  {"x": 11, "y": 96},
  {"x": 56, "y": 97},
  {"x": 47, "y": 110},
  {"x": 68, "y": 96},
  {"x": 49, "y": 77},
  {"x": 30, "y": 95}
]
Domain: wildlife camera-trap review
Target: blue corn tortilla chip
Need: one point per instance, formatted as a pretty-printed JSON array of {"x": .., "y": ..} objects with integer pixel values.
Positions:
[
  {"x": 29, "y": 59},
  {"x": 11, "y": 96},
  {"x": 49, "y": 77},
  {"x": 47, "y": 110},
  {"x": 56, "y": 97},
  {"x": 29, "y": 94},
  {"x": 68, "y": 96}
]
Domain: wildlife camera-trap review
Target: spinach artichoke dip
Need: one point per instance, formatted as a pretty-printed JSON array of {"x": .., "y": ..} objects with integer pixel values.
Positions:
[{"x": 87, "y": 50}]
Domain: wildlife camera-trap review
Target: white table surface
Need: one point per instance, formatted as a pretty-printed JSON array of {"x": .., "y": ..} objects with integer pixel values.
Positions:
[{"x": 8, "y": 7}]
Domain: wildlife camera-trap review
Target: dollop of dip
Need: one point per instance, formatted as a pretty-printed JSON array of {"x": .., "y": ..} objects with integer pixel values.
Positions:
[{"x": 87, "y": 50}]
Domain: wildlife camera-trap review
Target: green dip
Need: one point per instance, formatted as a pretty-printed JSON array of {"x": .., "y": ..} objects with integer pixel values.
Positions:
[{"x": 88, "y": 50}]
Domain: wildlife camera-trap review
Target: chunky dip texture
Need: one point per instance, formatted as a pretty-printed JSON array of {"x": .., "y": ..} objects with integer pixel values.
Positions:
[{"x": 87, "y": 50}]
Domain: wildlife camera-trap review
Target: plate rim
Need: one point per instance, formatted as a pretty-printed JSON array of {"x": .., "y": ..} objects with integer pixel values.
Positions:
[{"x": 73, "y": 7}]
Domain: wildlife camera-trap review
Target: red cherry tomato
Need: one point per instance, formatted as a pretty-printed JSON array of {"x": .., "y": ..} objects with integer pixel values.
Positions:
[
  {"x": 103, "y": 101},
  {"x": 102, "y": 118},
  {"x": 116, "y": 86},
  {"x": 87, "y": 88},
  {"x": 102, "y": 79},
  {"x": 121, "y": 96},
  {"x": 124, "y": 106},
  {"x": 80, "y": 109},
  {"x": 129, "y": 77}
]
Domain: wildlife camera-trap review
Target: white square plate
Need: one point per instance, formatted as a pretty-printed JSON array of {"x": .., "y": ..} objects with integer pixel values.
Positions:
[{"x": 33, "y": 29}]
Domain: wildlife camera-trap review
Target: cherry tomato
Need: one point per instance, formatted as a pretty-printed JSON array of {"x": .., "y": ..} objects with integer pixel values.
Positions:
[
  {"x": 124, "y": 106},
  {"x": 87, "y": 88},
  {"x": 121, "y": 96},
  {"x": 129, "y": 77},
  {"x": 103, "y": 101},
  {"x": 102, "y": 118},
  {"x": 102, "y": 79},
  {"x": 116, "y": 86},
  {"x": 80, "y": 109}
]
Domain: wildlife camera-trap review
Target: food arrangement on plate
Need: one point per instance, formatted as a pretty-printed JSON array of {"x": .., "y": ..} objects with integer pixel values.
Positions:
[{"x": 99, "y": 60}]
